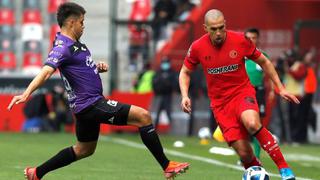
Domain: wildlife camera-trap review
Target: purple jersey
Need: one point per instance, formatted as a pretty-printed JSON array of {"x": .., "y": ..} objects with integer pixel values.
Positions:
[{"x": 78, "y": 72}]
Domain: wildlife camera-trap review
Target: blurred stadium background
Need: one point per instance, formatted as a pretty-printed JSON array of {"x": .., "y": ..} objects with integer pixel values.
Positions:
[{"x": 113, "y": 30}]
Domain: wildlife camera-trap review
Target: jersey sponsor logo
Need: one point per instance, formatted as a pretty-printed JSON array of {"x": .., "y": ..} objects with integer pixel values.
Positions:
[
  {"x": 89, "y": 61},
  {"x": 53, "y": 59},
  {"x": 58, "y": 43},
  {"x": 233, "y": 54},
  {"x": 112, "y": 103},
  {"x": 55, "y": 53},
  {"x": 223, "y": 69}
]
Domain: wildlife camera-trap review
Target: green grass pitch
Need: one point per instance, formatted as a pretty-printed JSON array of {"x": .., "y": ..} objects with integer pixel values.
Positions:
[{"x": 123, "y": 157}]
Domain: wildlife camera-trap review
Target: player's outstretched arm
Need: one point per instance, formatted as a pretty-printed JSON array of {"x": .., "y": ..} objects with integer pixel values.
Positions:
[
  {"x": 184, "y": 83},
  {"x": 102, "y": 67},
  {"x": 269, "y": 69},
  {"x": 44, "y": 74}
]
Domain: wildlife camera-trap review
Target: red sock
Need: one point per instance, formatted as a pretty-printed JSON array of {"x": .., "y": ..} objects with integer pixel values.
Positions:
[
  {"x": 255, "y": 162},
  {"x": 270, "y": 145}
]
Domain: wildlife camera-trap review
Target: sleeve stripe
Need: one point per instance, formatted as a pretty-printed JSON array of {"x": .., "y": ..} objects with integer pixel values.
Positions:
[{"x": 51, "y": 65}]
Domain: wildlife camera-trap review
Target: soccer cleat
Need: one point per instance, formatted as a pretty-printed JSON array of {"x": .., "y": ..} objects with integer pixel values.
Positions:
[
  {"x": 175, "y": 168},
  {"x": 30, "y": 173},
  {"x": 287, "y": 174}
]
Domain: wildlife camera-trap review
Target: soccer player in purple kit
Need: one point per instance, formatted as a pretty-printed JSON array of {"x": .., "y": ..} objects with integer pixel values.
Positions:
[{"x": 80, "y": 75}]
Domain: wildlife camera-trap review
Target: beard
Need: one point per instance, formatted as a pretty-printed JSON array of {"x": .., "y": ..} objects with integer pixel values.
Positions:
[{"x": 218, "y": 41}]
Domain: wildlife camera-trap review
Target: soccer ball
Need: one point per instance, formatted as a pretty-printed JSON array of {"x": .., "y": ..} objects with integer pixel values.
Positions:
[
  {"x": 255, "y": 173},
  {"x": 204, "y": 133}
]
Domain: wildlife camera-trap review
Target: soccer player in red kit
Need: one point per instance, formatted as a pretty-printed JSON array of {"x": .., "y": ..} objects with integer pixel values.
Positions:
[{"x": 222, "y": 55}]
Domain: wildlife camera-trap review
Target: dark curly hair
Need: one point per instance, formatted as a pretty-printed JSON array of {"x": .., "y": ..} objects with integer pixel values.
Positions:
[{"x": 68, "y": 9}]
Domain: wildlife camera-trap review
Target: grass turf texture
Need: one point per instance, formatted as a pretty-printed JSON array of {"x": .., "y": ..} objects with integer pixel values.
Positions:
[{"x": 118, "y": 161}]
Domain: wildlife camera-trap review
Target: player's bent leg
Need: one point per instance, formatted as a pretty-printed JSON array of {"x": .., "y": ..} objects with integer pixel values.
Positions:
[
  {"x": 84, "y": 149},
  {"x": 244, "y": 150},
  {"x": 141, "y": 118},
  {"x": 251, "y": 121},
  {"x": 63, "y": 158}
]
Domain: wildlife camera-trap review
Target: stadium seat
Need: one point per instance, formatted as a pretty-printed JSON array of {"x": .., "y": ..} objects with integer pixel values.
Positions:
[
  {"x": 32, "y": 57},
  {"x": 7, "y": 61},
  {"x": 53, "y": 5},
  {"x": 32, "y": 16},
  {"x": 32, "y": 31},
  {"x": 31, "y": 4},
  {"x": 7, "y": 17},
  {"x": 6, "y": 44},
  {"x": 7, "y": 31}
]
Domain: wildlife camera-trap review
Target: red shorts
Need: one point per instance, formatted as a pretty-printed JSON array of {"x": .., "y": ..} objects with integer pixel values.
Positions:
[{"x": 228, "y": 116}]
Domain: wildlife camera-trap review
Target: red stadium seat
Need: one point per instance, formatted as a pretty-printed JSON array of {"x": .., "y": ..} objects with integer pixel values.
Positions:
[
  {"x": 32, "y": 16},
  {"x": 32, "y": 56},
  {"x": 53, "y": 31},
  {"x": 7, "y": 60},
  {"x": 7, "y": 48},
  {"x": 7, "y": 17},
  {"x": 32, "y": 59},
  {"x": 53, "y": 5}
]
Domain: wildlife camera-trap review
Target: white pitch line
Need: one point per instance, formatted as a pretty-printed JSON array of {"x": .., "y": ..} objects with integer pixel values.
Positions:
[{"x": 184, "y": 155}]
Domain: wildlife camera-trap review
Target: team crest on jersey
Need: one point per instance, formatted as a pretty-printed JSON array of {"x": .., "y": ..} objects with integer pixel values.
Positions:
[{"x": 233, "y": 54}]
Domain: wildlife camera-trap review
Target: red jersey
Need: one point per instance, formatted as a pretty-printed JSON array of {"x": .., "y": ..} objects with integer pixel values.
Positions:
[{"x": 224, "y": 66}]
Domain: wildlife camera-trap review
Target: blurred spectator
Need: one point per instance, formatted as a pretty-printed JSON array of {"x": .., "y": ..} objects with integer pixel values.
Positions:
[
  {"x": 294, "y": 81},
  {"x": 280, "y": 125},
  {"x": 164, "y": 84},
  {"x": 164, "y": 11},
  {"x": 143, "y": 84},
  {"x": 197, "y": 87},
  {"x": 183, "y": 9},
  {"x": 308, "y": 115},
  {"x": 138, "y": 45},
  {"x": 36, "y": 111},
  {"x": 138, "y": 34},
  {"x": 41, "y": 116},
  {"x": 60, "y": 113}
]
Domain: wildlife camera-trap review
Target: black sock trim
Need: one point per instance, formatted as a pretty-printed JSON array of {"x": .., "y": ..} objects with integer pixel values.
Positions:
[
  {"x": 146, "y": 128},
  {"x": 254, "y": 134}
]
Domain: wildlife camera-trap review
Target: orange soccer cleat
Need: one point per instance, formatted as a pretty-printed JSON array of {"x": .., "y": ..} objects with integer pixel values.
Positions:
[
  {"x": 30, "y": 173},
  {"x": 175, "y": 168}
]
